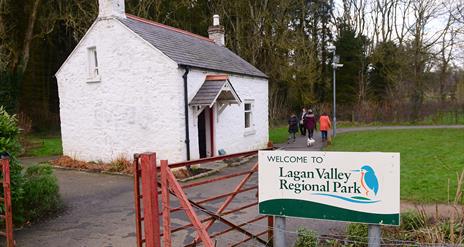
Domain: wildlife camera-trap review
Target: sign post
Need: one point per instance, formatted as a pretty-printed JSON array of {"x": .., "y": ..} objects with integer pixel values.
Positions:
[
  {"x": 373, "y": 234},
  {"x": 279, "y": 231},
  {"x": 342, "y": 186}
]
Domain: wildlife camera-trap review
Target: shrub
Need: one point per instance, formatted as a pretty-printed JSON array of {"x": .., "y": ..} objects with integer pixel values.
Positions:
[
  {"x": 9, "y": 145},
  {"x": 41, "y": 192},
  {"x": 357, "y": 233},
  {"x": 121, "y": 164},
  {"x": 306, "y": 238},
  {"x": 35, "y": 192}
]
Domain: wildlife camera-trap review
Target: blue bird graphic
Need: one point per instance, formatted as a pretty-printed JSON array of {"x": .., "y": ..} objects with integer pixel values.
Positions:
[{"x": 369, "y": 179}]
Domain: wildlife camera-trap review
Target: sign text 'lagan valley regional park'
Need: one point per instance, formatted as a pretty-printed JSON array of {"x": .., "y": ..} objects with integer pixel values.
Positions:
[{"x": 345, "y": 186}]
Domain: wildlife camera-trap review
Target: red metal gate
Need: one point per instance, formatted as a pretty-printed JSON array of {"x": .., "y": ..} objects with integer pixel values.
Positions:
[
  {"x": 150, "y": 178},
  {"x": 7, "y": 215}
]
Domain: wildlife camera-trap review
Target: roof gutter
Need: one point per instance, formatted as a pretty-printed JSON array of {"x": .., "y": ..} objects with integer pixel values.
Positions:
[
  {"x": 224, "y": 71},
  {"x": 187, "y": 131}
]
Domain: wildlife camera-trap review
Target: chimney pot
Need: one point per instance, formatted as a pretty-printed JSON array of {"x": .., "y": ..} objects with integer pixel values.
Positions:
[{"x": 215, "y": 20}]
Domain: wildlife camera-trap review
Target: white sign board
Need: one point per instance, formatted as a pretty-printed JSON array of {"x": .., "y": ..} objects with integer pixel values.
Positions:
[{"x": 345, "y": 186}]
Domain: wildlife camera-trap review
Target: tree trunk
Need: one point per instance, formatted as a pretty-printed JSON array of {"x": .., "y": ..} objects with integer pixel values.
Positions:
[{"x": 28, "y": 36}]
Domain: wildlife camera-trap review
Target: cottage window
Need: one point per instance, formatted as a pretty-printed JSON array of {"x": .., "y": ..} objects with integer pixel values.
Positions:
[
  {"x": 248, "y": 114},
  {"x": 93, "y": 64}
]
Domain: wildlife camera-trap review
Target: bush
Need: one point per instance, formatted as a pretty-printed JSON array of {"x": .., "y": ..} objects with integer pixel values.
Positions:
[
  {"x": 9, "y": 145},
  {"x": 357, "y": 233},
  {"x": 41, "y": 192},
  {"x": 31, "y": 192},
  {"x": 306, "y": 238},
  {"x": 121, "y": 164}
]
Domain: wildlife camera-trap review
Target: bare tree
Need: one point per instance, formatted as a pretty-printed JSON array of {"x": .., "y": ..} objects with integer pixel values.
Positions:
[
  {"x": 425, "y": 11},
  {"x": 400, "y": 13}
]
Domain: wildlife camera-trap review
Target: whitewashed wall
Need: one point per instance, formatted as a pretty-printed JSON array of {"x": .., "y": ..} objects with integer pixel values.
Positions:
[
  {"x": 230, "y": 133},
  {"x": 138, "y": 104},
  {"x": 136, "y": 107}
]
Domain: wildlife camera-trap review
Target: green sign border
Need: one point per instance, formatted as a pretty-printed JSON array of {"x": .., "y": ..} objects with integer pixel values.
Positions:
[{"x": 308, "y": 209}]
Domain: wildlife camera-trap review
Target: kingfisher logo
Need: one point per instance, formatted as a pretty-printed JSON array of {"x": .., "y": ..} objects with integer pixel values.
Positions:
[{"x": 366, "y": 188}]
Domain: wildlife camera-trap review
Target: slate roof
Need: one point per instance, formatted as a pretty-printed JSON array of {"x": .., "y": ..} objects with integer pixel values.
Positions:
[{"x": 188, "y": 49}]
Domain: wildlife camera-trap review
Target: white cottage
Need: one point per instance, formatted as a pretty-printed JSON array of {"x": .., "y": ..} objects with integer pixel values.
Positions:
[{"x": 132, "y": 85}]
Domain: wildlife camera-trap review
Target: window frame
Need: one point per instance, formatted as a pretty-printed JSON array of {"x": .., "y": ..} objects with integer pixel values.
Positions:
[
  {"x": 93, "y": 69},
  {"x": 251, "y": 128}
]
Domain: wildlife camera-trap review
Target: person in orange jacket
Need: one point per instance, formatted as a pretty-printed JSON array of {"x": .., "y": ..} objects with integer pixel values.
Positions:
[{"x": 324, "y": 125}]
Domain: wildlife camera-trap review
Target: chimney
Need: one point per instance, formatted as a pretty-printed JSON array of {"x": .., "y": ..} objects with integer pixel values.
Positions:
[
  {"x": 111, "y": 8},
  {"x": 216, "y": 31}
]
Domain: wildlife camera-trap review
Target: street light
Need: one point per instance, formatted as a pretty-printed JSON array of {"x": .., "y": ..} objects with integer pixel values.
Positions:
[{"x": 335, "y": 64}]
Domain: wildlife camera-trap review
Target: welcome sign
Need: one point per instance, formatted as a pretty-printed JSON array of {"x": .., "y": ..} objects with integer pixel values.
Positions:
[{"x": 344, "y": 186}]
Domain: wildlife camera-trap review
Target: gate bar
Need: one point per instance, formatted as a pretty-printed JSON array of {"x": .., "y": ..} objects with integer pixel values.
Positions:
[
  {"x": 216, "y": 197},
  {"x": 243, "y": 224},
  {"x": 137, "y": 198},
  {"x": 184, "y": 201},
  {"x": 217, "y": 179},
  {"x": 227, "y": 222},
  {"x": 231, "y": 197},
  {"x": 165, "y": 204},
  {"x": 240, "y": 208},
  {"x": 7, "y": 202},
  {"x": 249, "y": 238},
  {"x": 215, "y": 158},
  {"x": 193, "y": 244}
]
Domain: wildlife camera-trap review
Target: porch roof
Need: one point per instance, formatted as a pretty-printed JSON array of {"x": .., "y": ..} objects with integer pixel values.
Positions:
[{"x": 216, "y": 88}]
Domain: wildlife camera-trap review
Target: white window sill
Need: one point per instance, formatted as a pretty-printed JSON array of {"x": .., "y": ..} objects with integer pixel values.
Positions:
[
  {"x": 249, "y": 132},
  {"x": 94, "y": 80}
]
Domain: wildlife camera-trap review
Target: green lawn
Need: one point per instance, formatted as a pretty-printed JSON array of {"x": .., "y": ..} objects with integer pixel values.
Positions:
[
  {"x": 278, "y": 134},
  {"x": 444, "y": 118},
  {"x": 43, "y": 145},
  {"x": 429, "y": 157}
]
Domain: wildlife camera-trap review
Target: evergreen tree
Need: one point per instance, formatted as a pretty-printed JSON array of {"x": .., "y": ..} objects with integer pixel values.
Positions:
[
  {"x": 383, "y": 70},
  {"x": 351, "y": 52}
]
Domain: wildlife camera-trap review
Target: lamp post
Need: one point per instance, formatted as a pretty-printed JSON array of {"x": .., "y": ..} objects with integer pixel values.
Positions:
[{"x": 335, "y": 65}]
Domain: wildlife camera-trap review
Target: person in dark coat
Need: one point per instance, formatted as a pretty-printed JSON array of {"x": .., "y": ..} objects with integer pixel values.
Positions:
[
  {"x": 310, "y": 123},
  {"x": 292, "y": 127}
]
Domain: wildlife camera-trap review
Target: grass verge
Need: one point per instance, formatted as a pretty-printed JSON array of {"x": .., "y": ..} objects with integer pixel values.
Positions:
[
  {"x": 278, "y": 134},
  {"x": 430, "y": 158},
  {"x": 42, "y": 145}
]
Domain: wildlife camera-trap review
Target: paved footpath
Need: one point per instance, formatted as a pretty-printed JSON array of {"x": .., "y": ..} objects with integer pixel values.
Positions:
[{"x": 100, "y": 210}]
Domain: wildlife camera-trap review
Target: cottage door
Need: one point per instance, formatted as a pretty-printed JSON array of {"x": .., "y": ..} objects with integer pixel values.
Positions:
[{"x": 202, "y": 134}]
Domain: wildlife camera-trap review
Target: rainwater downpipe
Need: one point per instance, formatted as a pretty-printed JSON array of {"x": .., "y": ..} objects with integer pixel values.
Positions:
[{"x": 187, "y": 132}]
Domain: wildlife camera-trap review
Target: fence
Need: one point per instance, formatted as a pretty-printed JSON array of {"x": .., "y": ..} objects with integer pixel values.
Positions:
[
  {"x": 152, "y": 180},
  {"x": 6, "y": 216}
]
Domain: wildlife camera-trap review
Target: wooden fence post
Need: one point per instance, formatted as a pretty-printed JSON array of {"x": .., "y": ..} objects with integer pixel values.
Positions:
[{"x": 150, "y": 200}]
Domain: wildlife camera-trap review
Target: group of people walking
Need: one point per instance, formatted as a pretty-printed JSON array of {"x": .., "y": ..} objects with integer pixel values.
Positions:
[{"x": 306, "y": 122}]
